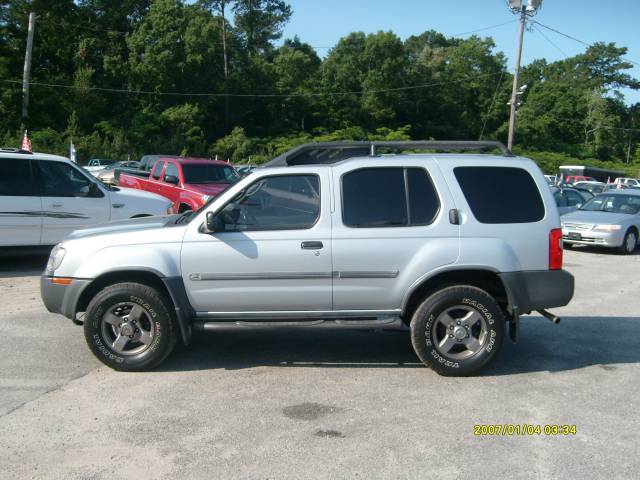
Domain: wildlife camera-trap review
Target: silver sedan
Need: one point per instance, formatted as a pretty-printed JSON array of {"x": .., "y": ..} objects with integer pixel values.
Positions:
[{"x": 612, "y": 219}]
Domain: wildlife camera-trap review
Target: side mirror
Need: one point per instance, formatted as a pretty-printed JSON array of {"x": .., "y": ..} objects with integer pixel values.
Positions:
[
  {"x": 172, "y": 179},
  {"x": 578, "y": 205},
  {"x": 214, "y": 223}
]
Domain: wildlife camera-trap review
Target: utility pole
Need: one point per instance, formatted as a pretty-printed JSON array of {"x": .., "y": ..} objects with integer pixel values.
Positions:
[
  {"x": 226, "y": 66},
  {"x": 516, "y": 80},
  {"x": 26, "y": 76},
  {"x": 518, "y": 7}
]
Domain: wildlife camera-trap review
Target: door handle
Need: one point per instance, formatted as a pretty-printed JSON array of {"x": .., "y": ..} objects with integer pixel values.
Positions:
[
  {"x": 311, "y": 245},
  {"x": 56, "y": 205}
]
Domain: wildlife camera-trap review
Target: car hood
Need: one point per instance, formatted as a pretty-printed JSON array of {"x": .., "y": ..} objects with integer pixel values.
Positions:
[
  {"x": 124, "y": 226},
  {"x": 124, "y": 194},
  {"x": 583, "y": 216},
  {"x": 211, "y": 189}
]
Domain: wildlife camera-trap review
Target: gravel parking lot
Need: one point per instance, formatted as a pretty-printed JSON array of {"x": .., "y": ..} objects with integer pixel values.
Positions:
[{"x": 319, "y": 404}]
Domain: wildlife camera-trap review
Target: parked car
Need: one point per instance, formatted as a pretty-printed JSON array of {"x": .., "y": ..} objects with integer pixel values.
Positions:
[
  {"x": 188, "y": 182},
  {"x": 145, "y": 165},
  {"x": 612, "y": 219},
  {"x": 569, "y": 199},
  {"x": 96, "y": 165},
  {"x": 44, "y": 197},
  {"x": 571, "y": 179},
  {"x": 629, "y": 182},
  {"x": 595, "y": 188},
  {"x": 454, "y": 247},
  {"x": 107, "y": 175},
  {"x": 244, "y": 170}
]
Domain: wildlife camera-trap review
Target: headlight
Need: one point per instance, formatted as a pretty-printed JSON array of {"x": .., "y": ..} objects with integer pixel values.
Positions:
[
  {"x": 55, "y": 259},
  {"x": 607, "y": 228}
]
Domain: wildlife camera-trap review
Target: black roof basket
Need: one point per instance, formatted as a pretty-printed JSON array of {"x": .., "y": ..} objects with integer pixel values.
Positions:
[{"x": 332, "y": 152}]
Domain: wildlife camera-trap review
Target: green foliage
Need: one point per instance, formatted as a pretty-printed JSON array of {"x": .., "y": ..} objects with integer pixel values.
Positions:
[{"x": 368, "y": 86}]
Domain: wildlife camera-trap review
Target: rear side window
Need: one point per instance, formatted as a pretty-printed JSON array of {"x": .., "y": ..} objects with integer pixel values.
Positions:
[
  {"x": 15, "y": 178},
  {"x": 388, "y": 197},
  {"x": 501, "y": 194}
]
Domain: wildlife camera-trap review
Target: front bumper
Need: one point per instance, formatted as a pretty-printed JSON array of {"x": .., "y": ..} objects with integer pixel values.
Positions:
[
  {"x": 62, "y": 298},
  {"x": 538, "y": 290},
  {"x": 590, "y": 237}
]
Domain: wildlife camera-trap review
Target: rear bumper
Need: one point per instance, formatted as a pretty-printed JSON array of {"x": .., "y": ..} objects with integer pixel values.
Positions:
[
  {"x": 538, "y": 290},
  {"x": 62, "y": 298}
]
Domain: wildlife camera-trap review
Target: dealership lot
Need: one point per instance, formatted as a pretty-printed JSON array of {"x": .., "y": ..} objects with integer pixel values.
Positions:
[{"x": 320, "y": 404}]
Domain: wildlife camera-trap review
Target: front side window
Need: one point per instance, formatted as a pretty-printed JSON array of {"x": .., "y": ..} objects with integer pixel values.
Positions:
[
  {"x": 15, "y": 178},
  {"x": 501, "y": 194},
  {"x": 57, "y": 179},
  {"x": 274, "y": 203},
  {"x": 388, "y": 197},
  {"x": 171, "y": 170}
]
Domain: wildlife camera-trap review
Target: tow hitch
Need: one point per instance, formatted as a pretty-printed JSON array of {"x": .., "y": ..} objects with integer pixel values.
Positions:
[{"x": 550, "y": 316}]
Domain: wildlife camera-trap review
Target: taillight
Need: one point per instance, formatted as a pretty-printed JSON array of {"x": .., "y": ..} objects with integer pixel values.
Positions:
[{"x": 555, "y": 249}]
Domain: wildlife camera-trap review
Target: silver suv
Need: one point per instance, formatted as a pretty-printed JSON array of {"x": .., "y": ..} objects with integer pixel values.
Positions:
[{"x": 454, "y": 247}]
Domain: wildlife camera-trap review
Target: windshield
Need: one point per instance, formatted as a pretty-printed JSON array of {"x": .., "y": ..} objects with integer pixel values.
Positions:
[
  {"x": 208, "y": 173},
  {"x": 629, "y": 204}
]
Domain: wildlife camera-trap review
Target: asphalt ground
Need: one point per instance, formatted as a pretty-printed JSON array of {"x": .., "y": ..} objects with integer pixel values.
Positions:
[{"x": 322, "y": 404}]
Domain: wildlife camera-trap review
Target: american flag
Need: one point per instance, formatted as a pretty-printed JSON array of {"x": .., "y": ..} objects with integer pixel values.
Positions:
[{"x": 26, "y": 143}]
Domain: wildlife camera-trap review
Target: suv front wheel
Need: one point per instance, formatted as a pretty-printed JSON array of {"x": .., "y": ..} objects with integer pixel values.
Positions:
[
  {"x": 457, "y": 330},
  {"x": 130, "y": 327}
]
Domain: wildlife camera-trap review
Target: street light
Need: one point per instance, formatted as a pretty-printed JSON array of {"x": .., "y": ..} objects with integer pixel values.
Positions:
[{"x": 518, "y": 7}]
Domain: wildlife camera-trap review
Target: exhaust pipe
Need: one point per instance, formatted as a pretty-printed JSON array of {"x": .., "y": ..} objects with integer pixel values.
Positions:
[{"x": 549, "y": 316}]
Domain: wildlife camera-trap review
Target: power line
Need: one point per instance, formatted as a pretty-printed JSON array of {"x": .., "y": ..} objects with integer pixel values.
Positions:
[
  {"x": 566, "y": 35},
  {"x": 255, "y": 95},
  {"x": 484, "y": 28},
  {"x": 549, "y": 40},
  {"x": 493, "y": 101}
]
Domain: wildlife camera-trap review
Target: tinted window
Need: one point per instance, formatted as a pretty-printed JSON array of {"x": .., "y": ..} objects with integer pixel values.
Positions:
[
  {"x": 274, "y": 203},
  {"x": 573, "y": 199},
  {"x": 15, "y": 177},
  {"x": 58, "y": 179},
  {"x": 388, "y": 197},
  {"x": 208, "y": 173},
  {"x": 171, "y": 170},
  {"x": 155, "y": 173},
  {"x": 561, "y": 201},
  {"x": 423, "y": 199},
  {"x": 501, "y": 194}
]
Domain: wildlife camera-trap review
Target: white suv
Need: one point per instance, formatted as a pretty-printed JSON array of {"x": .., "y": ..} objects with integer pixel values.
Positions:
[{"x": 44, "y": 197}]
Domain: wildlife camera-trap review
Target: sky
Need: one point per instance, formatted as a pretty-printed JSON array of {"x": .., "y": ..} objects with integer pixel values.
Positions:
[{"x": 322, "y": 23}]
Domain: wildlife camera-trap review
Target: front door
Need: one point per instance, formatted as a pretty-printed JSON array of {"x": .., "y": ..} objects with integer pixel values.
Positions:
[
  {"x": 271, "y": 251},
  {"x": 20, "y": 204},
  {"x": 70, "y": 200}
]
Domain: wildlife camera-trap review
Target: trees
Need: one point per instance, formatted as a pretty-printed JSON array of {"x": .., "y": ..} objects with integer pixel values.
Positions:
[{"x": 211, "y": 76}]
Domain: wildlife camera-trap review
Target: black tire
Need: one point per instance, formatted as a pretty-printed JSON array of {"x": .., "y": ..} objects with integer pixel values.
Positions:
[
  {"x": 626, "y": 248},
  {"x": 427, "y": 327},
  {"x": 156, "y": 319}
]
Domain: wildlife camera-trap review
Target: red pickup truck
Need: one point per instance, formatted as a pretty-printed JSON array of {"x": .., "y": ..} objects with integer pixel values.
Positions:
[{"x": 187, "y": 182}]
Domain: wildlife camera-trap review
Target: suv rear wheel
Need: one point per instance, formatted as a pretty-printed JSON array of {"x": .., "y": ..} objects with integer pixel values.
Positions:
[
  {"x": 130, "y": 327},
  {"x": 457, "y": 330}
]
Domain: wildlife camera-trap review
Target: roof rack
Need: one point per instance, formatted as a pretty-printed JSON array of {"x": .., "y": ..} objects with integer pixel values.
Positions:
[{"x": 332, "y": 152}]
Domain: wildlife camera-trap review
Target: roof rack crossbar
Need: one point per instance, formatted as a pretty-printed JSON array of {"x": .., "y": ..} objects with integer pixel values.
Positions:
[{"x": 331, "y": 152}]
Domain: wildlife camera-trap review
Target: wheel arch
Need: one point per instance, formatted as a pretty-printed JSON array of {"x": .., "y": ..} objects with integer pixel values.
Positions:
[
  {"x": 172, "y": 287},
  {"x": 483, "y": 278}
]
